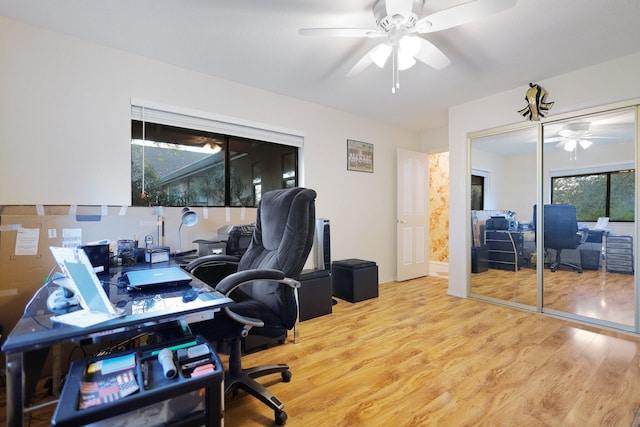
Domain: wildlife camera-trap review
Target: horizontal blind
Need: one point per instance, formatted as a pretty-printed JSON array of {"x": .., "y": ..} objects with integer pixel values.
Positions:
[{"x": 209, "y": 123}]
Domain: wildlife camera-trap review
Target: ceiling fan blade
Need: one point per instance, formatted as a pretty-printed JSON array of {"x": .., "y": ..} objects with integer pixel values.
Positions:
[
  {"x": 431, "y": 55},
  {"x": 399, "y": 7},
  {"x": 567, "y": 133},
  {"x": 554, "y": 139},
  {"x": 363, "y": 63},
  {"x": 461, "y": 14},
  {"x": 341, "y": 32}
]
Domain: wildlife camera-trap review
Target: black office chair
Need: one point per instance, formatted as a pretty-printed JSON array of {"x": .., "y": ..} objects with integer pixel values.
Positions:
[
  {"x": 561, "y": 232},
  {"x": 264, "y": 288}
]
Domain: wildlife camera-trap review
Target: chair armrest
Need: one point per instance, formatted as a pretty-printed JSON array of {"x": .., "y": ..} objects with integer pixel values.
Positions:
[
  {"x": 211, "y": 260},
  {"x": 235, "y": 280},
  {"x": 244, "y": 320},
  {"x": 584, "y": 234},
  {"x": 232, "y": 281}
]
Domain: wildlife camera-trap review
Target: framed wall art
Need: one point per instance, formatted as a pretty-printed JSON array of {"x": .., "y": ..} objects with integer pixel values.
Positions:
[{"x": 359, "y": 156}]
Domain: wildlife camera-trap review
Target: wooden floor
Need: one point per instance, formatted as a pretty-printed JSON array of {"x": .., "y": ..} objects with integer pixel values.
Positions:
[
  {"x": 415, "y": 357},
  {"x": 596, "y": 294}
]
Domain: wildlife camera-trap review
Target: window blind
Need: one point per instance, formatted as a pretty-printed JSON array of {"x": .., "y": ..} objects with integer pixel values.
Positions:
[{"x": 166, "y": 115}]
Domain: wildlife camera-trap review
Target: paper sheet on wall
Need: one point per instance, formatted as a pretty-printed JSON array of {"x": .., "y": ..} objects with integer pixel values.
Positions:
[
  {"x": 27, "y": 241},
  {"x": 71, "y": 237}
]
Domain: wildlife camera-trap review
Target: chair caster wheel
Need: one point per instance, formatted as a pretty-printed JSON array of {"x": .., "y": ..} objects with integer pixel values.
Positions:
[
  {"x": 286, "y": 376},
  {"x": 281, "y": 418}
]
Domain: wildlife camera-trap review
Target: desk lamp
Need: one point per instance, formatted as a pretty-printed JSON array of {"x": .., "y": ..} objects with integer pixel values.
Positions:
[{"x": 189, "y": 218}]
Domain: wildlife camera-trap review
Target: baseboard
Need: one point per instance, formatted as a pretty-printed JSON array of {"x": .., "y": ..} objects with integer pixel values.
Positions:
[{"x": 439, "y": 269}]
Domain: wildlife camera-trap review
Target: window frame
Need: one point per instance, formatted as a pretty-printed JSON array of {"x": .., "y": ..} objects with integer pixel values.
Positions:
[
  {"x": 607, "y": 172},
  {"x": 230, "y": 128}
]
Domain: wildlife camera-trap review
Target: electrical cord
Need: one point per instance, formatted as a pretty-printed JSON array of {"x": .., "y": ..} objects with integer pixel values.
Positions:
[{"x": 48, "y": 281}]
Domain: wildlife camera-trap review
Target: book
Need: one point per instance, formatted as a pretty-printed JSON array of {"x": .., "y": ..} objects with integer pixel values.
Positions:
[
  {"x": 98, "y": 389},
  {"x": 108, "y": 380}
]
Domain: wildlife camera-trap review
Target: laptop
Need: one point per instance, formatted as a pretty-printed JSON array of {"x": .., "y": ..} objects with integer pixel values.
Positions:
[
  {"x": 140, "y": 280},
  {"x": 96, "y": 306}
]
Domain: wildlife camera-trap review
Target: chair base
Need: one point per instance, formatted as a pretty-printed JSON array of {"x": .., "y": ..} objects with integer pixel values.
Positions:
[
  {"x": 555, "y": 265},
  {"x": 236, "y": 378}
]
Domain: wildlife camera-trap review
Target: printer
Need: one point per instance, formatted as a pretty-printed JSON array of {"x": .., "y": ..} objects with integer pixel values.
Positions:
[
  {"x": 230, "y": 240},
  {"x": 237, "y": 237}
]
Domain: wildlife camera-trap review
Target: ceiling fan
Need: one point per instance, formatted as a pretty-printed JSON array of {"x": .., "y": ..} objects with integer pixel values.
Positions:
[
  {"x": 574, "y": 134},
  {"x": 399, "y": 23}
]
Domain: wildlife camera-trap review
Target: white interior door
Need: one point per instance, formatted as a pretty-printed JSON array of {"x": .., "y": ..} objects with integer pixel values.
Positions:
[{"x": 412, "y": 215}]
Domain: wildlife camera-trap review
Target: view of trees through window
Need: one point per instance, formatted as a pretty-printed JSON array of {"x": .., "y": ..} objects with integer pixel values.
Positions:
[
  {"x": 187, "y": 167},
  {"x": 607, "y": 194}
]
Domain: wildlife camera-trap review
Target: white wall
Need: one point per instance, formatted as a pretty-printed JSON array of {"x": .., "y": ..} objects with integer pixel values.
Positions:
[
  {"x": 65, "y": 134},
  {"x": 435, "y": 140},
  {"x": 511, "y": 181},
  {"x": 604, "y": 83}
]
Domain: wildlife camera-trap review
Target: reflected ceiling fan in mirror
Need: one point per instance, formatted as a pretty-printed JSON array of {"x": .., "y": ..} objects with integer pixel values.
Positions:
[
  {"x": 399, "y": 24},
  {"x": 573, "y": 135}
]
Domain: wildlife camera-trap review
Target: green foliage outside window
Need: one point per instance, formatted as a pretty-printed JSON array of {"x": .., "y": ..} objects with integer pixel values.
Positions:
[
  {"x": 608, "y": 194},
  {"x": 186, "y": 167}
]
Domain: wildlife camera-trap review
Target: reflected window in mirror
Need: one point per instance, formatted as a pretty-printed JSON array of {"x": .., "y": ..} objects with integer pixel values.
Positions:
[
  {"x": 606, "y": 194},
  {"x": 477, "y": 192}
]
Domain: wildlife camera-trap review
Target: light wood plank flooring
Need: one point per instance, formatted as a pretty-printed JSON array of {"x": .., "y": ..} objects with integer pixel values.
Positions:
[
  {"x": 595, "y": 294},
  {"x": 416, "y": 357}
]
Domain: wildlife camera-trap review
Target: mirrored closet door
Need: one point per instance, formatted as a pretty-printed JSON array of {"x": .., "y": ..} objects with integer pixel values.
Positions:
[
  {"x": 503, "y": 192},
  {"x": 588, "y": 188}
]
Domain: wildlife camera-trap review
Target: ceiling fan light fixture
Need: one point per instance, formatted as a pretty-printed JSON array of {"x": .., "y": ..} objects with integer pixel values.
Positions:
[
  {"x": 405, "y": 61},
  {"x": 380, "y": 54},
  {"x": 409, "y": 45},
  {"x": 570, "y": 145},
  {"x": 585, "y": 143}
]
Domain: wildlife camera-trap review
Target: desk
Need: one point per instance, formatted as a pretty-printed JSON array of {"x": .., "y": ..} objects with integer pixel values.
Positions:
[{"x": 144, "y": 312}]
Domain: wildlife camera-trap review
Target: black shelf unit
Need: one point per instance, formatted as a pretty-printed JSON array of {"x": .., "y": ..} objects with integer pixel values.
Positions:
[
  {"x": 505, "y": 249},
  {"x": 156, "y": 389}
]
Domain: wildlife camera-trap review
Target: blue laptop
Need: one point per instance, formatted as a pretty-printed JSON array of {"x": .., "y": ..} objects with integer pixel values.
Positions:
[{"x": 140, "y": 280}]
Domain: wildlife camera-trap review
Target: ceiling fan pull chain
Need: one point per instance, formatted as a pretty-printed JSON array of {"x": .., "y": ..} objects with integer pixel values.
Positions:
[{"x": 395, "y": 70}]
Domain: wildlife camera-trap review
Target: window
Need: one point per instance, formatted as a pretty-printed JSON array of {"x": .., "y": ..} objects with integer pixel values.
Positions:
[
  {"x": 477, "y": 192},
  {"x": 187, "y": 162},
  {"x": 604, "y": 194}
]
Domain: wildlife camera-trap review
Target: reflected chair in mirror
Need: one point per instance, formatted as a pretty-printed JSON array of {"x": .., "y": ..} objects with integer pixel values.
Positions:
[
  {"x": 264, "y": 287},
  {"x": 561, "y": 232}
]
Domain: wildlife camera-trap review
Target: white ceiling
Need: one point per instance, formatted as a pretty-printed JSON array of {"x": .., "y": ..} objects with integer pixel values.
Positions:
[{"x": 256, "y": 42}]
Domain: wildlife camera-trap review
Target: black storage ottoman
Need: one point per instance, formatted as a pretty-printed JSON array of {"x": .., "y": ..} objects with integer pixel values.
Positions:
[
  {"x": 479, "y": 259},
  {"x": 315, "y": 294},
  {"x": 354, "y": 279}
]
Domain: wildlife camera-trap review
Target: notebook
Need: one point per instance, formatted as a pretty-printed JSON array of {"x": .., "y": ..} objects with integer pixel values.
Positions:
[
  {"x": 139, "y": 280},
  {"x": 96, "y": 306}
]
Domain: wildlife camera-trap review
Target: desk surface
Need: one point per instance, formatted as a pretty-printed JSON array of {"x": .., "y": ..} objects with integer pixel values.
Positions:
[{"x": 36, "y": 329}]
